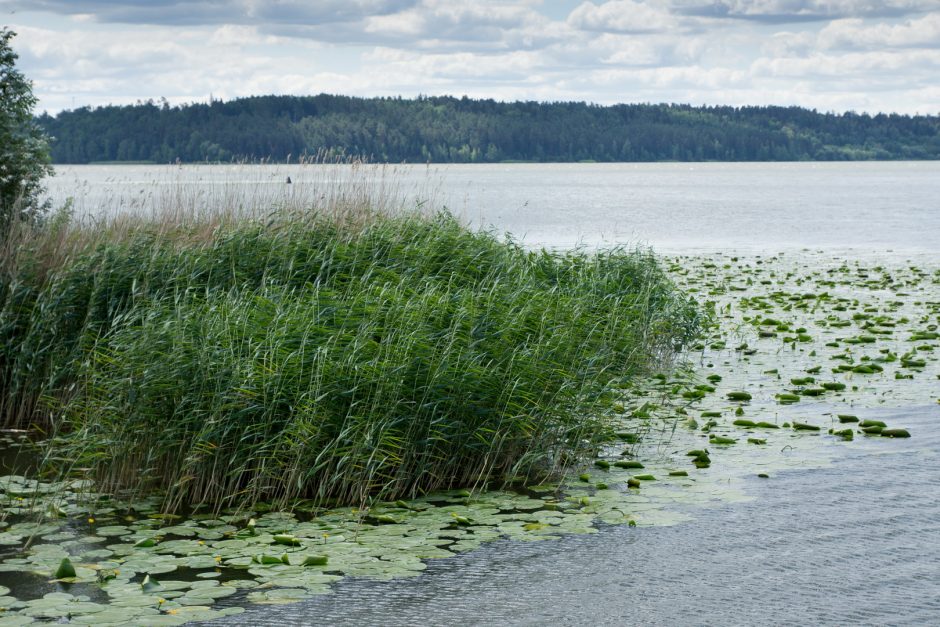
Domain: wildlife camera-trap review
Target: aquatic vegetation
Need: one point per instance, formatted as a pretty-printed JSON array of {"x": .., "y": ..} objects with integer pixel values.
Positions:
[
  {"x": 845, "y": 434},
  {"x": 874, "y": 322},
  {"x": 895, "y": 433},
  {"x": 338, "y": 355},
  {"x": 234, "y": 554},
  {"x": 628, "y": 464},
  {"x": 802, "y": 426}
]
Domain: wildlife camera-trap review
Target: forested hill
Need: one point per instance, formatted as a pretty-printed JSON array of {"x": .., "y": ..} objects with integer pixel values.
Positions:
[{"x": 446, "y": 129}]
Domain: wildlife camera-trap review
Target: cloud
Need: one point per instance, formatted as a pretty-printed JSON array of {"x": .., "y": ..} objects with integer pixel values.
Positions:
[
  {"x": 856, "y": 34},
  {"x": 215, "y": 12},
  {"x": 834, "y": 54},
  {"x": 789, "y": 44},
  {"x": 74, "y": 68},
  {"x": 438, "y": 25},
  {"x": 784, "y": 11},
  {"x": 621, "y": 16},
  {"x": 427, "y": 24},
  {"x": 867, "y": 71},
  {"x": 449, "y": 21}
]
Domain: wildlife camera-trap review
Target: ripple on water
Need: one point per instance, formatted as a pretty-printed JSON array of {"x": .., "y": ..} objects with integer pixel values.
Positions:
[{"x": 857, "y": 542}]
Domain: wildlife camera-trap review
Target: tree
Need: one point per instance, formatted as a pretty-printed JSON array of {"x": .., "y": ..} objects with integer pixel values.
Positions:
[{"x": 24, "y": 148}]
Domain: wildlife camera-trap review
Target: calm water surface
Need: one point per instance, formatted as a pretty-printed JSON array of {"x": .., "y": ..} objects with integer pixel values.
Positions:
[{"x": 672, "y": 206}]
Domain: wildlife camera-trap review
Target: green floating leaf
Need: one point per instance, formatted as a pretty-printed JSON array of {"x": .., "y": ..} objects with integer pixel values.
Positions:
[
  {"x": 802, "y": 426},
  {"x": 846, "y": 434},
  {"x": 265, "y": 558},
  {"x": 316, "y": 560},
  {"x": 65, "y": 569},
  {"x": 149, "y": 585},
  {"x": 283, "y": 538},
  {"x": 717, "y": 439},
  {"x": 895, "y": 433},
  {"x": 813, "y": 392},
  {"x": 628, "y": 464}
]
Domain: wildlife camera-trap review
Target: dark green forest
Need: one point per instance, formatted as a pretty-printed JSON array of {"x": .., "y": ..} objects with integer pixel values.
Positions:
[{"x": 447, "y": 129}]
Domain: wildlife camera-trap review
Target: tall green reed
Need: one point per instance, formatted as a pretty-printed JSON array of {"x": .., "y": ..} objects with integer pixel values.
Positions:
[{"x": 332, "y": 355}]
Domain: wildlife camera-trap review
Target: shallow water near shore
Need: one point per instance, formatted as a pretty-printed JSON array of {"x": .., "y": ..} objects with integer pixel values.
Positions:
[
  {"x": 866, "y": 330},
  {"x": 857, "y": 542},
  {"x": 837, "y": 533}
]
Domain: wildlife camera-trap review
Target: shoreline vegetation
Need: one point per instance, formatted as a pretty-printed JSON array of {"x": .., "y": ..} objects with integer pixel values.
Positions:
[
  {"x": 335, "y": 349},
  {"x": 463, "y": 130},
  {"x": 803, "y": 356}
]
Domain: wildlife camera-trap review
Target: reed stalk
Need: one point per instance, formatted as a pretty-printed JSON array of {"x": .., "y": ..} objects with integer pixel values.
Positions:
[{"x": 330, "y": 348}]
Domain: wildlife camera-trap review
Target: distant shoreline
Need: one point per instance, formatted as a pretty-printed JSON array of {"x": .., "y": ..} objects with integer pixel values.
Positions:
[
  {"x": 509, "y": 162},
  {"x": 328, "y": 128}
]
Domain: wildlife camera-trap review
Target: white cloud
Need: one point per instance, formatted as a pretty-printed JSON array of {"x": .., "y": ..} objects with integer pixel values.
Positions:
[
  {"x": 621, "y": 16},
  {"x": 634, "y": 53},
  {"x": 778, "y": 11},
  {"x": 857, "y": 34},
  {"x": 867, "y": 68},
  {"x": 215, "y": 12},
  {"x": 861, "y": 55},
  {"x": 405, "y": 24}
]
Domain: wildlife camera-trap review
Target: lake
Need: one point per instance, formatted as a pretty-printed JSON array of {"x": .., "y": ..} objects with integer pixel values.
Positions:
[
  {"x": 867, "y": 206},
  {"x": 840, "y": 533}
]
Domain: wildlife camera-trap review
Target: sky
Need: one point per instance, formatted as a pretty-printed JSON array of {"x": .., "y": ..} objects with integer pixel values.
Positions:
[{"x": 831, "y": 55}]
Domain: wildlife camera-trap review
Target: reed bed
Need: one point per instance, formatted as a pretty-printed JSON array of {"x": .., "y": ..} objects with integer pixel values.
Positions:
[{"x": 331, "y": 349}]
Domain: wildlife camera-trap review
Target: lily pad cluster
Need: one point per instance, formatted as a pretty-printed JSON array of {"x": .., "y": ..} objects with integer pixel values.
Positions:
[{"x": 791, "y": 329}]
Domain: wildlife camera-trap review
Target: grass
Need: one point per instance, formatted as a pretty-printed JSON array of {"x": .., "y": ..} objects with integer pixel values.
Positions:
[{"x": 333, "y": 350}]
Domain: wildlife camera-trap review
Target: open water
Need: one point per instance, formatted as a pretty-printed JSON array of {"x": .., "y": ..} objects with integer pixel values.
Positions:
[{"x": 671, "y": 206}]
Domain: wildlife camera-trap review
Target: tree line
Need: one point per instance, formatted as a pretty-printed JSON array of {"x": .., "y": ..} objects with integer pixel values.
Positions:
[{"x": 464, "y": 130}]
